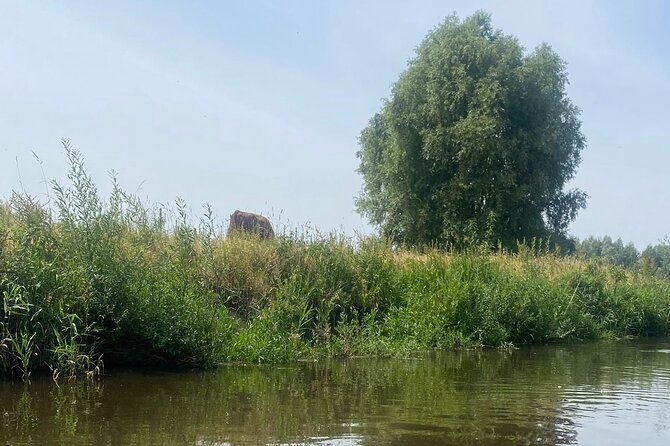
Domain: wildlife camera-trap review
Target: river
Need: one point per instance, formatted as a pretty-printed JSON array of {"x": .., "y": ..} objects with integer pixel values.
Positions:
[{"x": 606, "y": 393}]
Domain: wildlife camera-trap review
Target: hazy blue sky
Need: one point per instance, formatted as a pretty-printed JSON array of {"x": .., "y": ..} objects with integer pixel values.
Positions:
[{"x": 258, "y": 105}]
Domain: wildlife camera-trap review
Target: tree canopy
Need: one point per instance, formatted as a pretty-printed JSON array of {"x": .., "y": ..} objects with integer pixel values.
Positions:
[
  {"x": 477, "y": 142},
  {"x": 614, "y": 252}
]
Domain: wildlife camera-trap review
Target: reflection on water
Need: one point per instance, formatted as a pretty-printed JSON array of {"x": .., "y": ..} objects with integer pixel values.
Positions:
[{"x": 612, "y": 393}]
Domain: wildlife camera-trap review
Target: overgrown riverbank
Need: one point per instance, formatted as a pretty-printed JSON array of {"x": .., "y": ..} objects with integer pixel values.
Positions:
[{"x": 113, "y": 281}]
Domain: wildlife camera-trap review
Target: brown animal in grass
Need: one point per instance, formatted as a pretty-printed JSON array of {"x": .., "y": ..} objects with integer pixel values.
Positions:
[{"x": 241, "y": 221}]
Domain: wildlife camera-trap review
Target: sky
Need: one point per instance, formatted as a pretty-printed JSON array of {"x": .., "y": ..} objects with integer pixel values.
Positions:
[{"x": 258, "y": 105}]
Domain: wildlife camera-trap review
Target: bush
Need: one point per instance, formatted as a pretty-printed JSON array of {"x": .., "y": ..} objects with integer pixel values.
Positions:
[{"x": 114, "y": 280}]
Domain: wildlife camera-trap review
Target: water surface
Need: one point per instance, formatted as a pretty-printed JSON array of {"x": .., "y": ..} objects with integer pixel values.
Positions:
[{"x": 604, "y": 393}]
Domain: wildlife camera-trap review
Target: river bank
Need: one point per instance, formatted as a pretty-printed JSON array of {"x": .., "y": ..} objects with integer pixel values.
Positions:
[
  {"x": 87, "y": 281},
  {"x": 112, "y": 289}
]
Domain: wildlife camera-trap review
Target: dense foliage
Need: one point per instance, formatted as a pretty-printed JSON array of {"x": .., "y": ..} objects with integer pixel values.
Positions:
[
  {"x": 614, "y": 252},
  {"x": 114, "y": 281},
  {"x": 476, "y": 143},
  {"x": 654, "y": 259}
]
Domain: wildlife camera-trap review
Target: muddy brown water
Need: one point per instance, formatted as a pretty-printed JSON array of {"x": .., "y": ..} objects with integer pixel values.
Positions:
[{"x": 614, "y": 393}]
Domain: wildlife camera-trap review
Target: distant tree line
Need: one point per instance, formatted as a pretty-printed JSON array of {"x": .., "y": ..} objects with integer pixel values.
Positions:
[{"x": 653, "y": 259}]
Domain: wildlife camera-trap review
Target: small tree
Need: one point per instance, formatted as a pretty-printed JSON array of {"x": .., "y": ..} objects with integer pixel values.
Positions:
[{"x": 477, "y": 142}]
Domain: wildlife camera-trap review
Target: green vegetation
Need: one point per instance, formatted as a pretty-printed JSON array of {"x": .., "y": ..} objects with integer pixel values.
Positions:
[
  {"x": 655, "y": 259},
  {"x": 477, "y": 142},
  {"x": 608, "y": 250},
  {"x": 113, "y": 280}
]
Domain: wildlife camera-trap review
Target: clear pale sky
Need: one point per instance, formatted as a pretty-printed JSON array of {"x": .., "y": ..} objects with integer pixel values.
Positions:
[{"x": 258, "y": 105}]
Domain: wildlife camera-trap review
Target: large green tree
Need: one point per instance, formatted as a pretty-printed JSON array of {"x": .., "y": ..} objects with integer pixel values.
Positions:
[{"x": 477, "y": 141}]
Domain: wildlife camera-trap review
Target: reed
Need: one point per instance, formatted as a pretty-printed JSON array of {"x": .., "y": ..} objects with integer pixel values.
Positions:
[{"x": 93, "y": 281}]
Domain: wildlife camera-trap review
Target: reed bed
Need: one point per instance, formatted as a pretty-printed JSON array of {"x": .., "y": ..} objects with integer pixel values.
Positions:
[{"x": 89, "y": 281}]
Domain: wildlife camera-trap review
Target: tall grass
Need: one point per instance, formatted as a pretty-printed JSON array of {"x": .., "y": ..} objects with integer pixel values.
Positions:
[{"x": 93, "y": 281}]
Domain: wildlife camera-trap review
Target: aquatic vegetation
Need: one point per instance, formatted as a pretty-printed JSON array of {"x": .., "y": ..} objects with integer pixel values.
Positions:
[{"x": 88, "y": 281}]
